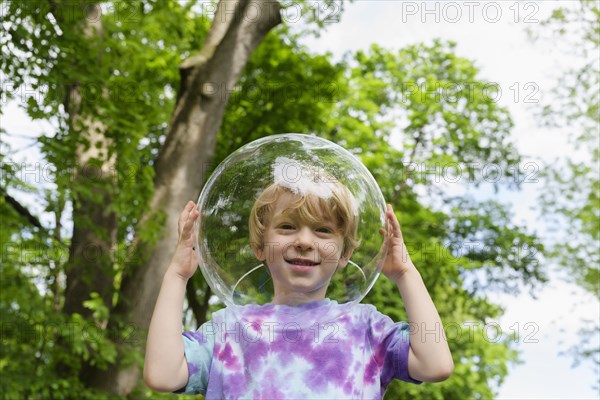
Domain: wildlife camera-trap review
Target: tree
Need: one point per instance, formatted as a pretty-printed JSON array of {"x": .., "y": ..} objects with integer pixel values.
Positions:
[
  {"x": 450, "y": 122},
  {"x": 575, "y": 108},
  {"x": 92, "y": 141},
  {"x": 194, "y": 125}
]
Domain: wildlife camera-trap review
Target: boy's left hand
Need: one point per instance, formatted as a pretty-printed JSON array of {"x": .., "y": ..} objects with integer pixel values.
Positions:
[{"x": 397, "y": 261}]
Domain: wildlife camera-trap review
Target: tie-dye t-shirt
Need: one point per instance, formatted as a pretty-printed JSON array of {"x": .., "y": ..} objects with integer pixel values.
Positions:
[{"x": 286, "y": 352}]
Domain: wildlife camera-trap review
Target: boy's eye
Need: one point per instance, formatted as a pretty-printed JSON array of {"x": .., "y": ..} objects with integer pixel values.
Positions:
[
  {"x": 286, "y": 226},
  {"x": 325, "y": 229}
]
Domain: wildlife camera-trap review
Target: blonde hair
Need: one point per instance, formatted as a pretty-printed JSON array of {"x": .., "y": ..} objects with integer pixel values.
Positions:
[{"x": 339, "y": 208}]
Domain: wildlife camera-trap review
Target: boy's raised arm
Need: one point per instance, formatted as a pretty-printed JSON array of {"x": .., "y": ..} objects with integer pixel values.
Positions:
[
  {"x": 165, "y": 367},
  {"x": 429, "y": 357}
]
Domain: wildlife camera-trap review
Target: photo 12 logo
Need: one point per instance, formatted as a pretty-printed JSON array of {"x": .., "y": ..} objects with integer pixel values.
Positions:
[
  {"x": 469, "y": 11},
  {"x": 291, "y": 12},
  {"x": 270, "y": 331}
]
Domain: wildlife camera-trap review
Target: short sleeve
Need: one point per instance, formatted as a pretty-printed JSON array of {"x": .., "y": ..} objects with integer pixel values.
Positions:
[
  {"x": 391, "y": 344},
  {"x": 198, "y": 348}
]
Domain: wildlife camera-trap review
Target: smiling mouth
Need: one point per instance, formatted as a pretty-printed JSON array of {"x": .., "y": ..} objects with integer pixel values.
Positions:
[{"x": 303, "y": 262}]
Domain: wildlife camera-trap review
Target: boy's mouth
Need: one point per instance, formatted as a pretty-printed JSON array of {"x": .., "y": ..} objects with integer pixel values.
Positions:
[{"x": 305, "y": 262}]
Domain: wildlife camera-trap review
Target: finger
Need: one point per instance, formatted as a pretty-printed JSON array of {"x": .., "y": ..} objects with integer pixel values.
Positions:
[
  {"x": 189, "y": 207},
  {"x": 186, "y": 220},
  {"x": 186, "y": 212},
  {"x": 189, "y": 223},
  {"x": 393, "y": 221}
]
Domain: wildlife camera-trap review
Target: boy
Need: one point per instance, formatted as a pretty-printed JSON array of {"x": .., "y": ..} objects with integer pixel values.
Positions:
[{"x": 279, "y": 350}]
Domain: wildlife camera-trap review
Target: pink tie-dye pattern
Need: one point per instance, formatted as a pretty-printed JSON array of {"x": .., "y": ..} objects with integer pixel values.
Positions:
[{"x": 228, "y": 358}]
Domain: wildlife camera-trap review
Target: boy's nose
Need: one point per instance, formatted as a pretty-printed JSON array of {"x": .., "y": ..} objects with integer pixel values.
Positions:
[{"x": 304, "y": 238}]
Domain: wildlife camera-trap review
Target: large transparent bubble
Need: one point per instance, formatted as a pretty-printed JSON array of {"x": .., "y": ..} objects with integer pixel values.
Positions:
[{"x": 320, "y": 211}]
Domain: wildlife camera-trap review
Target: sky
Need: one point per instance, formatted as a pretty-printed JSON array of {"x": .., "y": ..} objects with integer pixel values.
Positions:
[
  {"x": 493, "y": 34},
  {"x": 490, "y": 34}
]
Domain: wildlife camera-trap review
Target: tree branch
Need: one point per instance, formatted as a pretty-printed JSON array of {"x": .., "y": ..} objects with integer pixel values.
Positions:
[{"x": 20, "y": 209}]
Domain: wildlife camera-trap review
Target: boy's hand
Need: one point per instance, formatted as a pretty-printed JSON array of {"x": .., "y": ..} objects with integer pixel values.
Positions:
[
  {"x": 397, "y": 260},
  {"x": 185, "y": 259}
]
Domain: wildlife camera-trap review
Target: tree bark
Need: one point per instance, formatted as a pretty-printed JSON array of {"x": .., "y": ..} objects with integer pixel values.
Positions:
[
  {"x": 90, "y": 265},
  {"x": 89, "y": 268},
  {"x": 236, "y": 30}
]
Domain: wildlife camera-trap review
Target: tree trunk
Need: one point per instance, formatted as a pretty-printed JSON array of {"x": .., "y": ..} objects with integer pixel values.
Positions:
[
  {"x": 90, "y": 265},
  {"x": 236, "y": 30}
]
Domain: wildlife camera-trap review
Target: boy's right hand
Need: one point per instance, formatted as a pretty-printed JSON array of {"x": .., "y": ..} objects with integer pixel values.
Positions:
[{"x": 185, "y": 259}]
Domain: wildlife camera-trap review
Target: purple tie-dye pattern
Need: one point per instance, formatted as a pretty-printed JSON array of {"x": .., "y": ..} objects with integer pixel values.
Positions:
[
  {"x": 270, "y": 389},
  {"x": 236, "y": 386},
  {"x": 371, "y": 370},
  {"x": 196, "y": 336},
  {"x": 255, "y": 353},
  {"x": 193, "y": 369},
  {"x": 366, "y": 352},
  {"x": 330, "y": 364},
  {"x": 387, "y": 370},
  {"x": 349, "y": 384},
  {"x": 393, "y": 360}
]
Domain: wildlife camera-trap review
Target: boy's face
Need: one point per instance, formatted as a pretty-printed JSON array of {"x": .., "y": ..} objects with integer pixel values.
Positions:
[{"x": 302, "y": 258}]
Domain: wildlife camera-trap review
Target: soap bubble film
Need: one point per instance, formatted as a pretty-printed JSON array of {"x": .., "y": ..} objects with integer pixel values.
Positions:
[{"x": 304, "y": 165}]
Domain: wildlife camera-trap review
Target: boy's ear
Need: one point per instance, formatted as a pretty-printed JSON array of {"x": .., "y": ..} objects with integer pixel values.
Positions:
[
  {"x": 343, "y": 261},
  {"x": 259, "y": 252}
]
